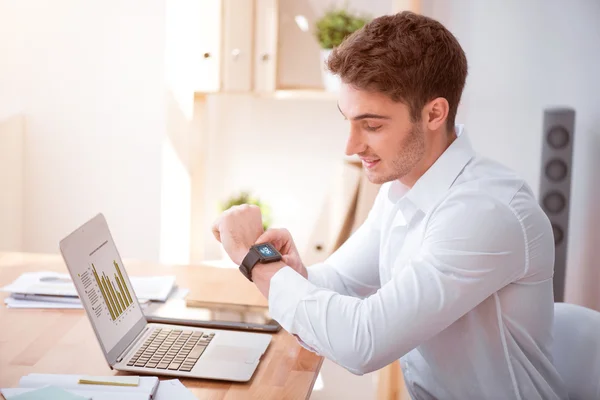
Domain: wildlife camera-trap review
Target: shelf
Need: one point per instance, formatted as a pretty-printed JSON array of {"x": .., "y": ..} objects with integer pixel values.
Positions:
[
  {"x": 295, "y": 94},
  {"x": 302, "y": 94}
]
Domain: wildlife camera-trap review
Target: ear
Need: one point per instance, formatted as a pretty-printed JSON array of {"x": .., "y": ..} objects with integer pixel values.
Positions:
[{"x": 435, "y": 113}]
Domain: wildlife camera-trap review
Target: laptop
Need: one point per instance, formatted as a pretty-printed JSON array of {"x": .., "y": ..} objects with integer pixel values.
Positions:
[{"x": 129, "y": 342}]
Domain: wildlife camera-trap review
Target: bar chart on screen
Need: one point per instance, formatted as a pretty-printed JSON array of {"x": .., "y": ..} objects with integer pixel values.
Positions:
[{"x": 107, "y": 291}]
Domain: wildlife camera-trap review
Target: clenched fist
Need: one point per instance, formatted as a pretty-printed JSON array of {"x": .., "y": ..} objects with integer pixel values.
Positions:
[{"x": 237, "y": 229}]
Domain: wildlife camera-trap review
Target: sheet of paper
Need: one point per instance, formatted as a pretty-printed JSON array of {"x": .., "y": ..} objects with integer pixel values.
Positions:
[
  {"x": 41, "y": 301},
  {"x": 114, "y": 380},
  {"x": 173, "y": 389},
  {"x": 43, "y": 297},
  {"x": 12, "y": 302},
  {"x": 155, "y": 288},
  {"x": 16, "y": 303},
  {"x": 11, "y": 392},
  {"x": 49, "y": 392},
  {"x": 147, "y": 384}
]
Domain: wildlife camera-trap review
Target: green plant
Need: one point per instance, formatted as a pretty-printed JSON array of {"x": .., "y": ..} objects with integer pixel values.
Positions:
[
  {"x": 245, "y": 197},
  {"x": 335, "y": 25}
]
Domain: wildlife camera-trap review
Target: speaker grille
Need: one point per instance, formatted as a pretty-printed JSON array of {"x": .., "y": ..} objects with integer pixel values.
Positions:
[
  {"x": 556, "y": 170},
  {"x": 555, "y": 185},
  {"x": 554, "y": 202},
  {"x": 558, "y": 137}
]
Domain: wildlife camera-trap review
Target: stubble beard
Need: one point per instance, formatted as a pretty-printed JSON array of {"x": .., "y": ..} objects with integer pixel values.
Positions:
[{"x": 410, "y": 153}]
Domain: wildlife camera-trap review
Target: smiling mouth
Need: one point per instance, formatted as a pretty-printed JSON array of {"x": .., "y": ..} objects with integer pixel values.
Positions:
[{"x": 369, "y": 164}]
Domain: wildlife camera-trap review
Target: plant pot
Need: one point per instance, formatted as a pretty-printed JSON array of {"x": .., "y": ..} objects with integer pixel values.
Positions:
[{"x": 331, "y": 82}]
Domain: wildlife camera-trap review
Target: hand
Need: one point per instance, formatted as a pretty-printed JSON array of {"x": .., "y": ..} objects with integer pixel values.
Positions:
[
  {"x": 282, "y": 240},
  {"x": 237, "y": 229}
]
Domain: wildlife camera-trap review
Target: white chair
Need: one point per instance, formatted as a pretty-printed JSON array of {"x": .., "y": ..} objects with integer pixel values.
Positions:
[{"x": 576, "y": 350}]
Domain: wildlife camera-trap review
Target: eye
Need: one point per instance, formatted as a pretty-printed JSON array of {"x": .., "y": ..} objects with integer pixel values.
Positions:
[{"x": 372, "y": 128}]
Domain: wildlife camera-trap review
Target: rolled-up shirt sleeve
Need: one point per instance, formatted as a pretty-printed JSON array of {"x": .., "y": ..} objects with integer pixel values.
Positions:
[{"x": 467, "y": 254}]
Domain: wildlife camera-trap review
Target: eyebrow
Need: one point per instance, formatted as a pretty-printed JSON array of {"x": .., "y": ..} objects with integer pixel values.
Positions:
[{"x": 365, "y": 115}]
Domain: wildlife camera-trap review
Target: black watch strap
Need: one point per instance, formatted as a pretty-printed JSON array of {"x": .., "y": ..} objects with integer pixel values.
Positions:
[{"x": 248, "y": 263}]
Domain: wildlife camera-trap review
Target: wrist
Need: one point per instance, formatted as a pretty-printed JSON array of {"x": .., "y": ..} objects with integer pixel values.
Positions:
[
  {"x": 267, "y": 271},
  {"x": 240, "y": 254},
  {"x": 264, "y": 253}
]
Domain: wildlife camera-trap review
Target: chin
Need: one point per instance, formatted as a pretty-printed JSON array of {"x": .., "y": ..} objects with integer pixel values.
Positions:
[{"x": 379, "y": 179}]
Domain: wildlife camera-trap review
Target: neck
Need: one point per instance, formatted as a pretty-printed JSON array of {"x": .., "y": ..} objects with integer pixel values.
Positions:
[{"x": 438, "y": 143}]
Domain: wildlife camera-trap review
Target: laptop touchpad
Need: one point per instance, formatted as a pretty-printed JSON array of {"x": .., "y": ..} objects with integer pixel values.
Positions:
[{"x": 235, "y": 354}]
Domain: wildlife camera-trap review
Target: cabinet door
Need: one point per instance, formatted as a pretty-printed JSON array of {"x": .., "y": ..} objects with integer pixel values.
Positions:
[
  {"x": 265, "y": 45},
  {"x": 206, "y": 51},
  {"x": 237, "y": 58}
]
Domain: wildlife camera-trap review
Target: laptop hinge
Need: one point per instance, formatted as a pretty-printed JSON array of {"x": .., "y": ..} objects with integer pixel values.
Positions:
[{"x": 133, "y": 342}]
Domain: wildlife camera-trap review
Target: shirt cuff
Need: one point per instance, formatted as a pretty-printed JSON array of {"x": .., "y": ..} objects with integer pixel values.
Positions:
[{"x": 286, "y": 291}]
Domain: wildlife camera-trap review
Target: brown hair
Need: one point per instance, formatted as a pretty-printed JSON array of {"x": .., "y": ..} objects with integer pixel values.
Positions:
[{"x": 409, "y": 57}]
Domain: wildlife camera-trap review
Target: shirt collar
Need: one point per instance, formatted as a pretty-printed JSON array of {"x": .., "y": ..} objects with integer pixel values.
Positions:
[{"x": 434, "y": 183}]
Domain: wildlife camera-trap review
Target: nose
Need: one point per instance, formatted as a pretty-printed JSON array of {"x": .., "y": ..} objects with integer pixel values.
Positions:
[{"x": 355, "y": 144}]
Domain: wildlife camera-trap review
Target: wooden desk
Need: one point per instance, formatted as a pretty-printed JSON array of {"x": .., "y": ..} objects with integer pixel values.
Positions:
[{"x": 62, "y": 341}]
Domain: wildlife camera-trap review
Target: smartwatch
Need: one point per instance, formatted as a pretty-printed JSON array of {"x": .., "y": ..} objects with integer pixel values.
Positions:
[{"x": 259, "y": 253}]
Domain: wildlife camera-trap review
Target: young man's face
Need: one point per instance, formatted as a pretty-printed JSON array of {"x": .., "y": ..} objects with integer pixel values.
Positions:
[{"x": 381, "y": 134}]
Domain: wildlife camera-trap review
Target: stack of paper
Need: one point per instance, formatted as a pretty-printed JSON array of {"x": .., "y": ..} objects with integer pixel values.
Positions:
[
  {"x": 99, "y": 388},
  {"x": 70, "y": 387},
  {"x": 47, "y": 393},
  {"x": 53, "y": 290}
]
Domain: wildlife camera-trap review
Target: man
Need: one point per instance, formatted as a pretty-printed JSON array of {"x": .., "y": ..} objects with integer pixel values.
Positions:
[{"x": 452, "y": 271}]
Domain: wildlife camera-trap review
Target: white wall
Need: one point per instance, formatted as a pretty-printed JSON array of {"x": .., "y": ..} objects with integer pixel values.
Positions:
[
  {"x": 89, "y": 77},
  {"x": 12, "y": 136},
  {"x": 525, "y": 56}
]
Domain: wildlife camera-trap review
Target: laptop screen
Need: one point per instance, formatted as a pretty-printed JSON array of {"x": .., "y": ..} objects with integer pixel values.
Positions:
[{"x": 101, "y": 281}]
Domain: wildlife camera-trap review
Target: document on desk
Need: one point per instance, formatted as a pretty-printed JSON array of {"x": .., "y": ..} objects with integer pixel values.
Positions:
[
  {"x": 12, "y": 302},
  {"x": 15, "y": 393},
  {"x": 46, "y": 393},
  {"x": 156, "y": 288},
  {"x": 19, "y": 300},
  {"x": 145, "y": 390},
  {"x": 167, "y": 390}
]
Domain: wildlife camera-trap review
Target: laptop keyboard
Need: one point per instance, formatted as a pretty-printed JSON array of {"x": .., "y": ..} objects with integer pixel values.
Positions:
[{"x": 172, "y": 349}]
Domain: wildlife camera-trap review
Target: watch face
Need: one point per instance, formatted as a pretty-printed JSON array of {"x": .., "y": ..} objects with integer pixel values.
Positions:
[{"x": 267, "y": 252}]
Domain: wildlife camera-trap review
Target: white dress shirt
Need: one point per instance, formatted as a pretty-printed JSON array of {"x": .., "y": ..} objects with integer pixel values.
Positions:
[{"x": 453, "y": 277}]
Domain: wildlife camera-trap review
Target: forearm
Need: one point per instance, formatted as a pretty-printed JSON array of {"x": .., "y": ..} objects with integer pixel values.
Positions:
[
  {"x": 336, "y": 326},
  {"x": 352, "y": 270}
]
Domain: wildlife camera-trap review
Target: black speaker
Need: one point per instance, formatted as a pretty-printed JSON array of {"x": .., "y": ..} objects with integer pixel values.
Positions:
[{"x": 555, "y": 185}]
